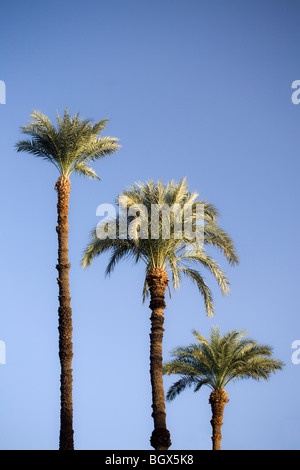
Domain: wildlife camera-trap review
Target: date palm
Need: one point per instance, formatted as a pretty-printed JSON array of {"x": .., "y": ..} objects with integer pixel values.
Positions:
[
  {"x": 215, "y": 363},
  {"x": 145, "y": 229},
  {"x": 70, "y": 146}
]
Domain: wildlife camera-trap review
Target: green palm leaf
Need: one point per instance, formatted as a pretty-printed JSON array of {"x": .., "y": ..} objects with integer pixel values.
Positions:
[
  {"x": 217, "y": 361},
  {"x": 71, "y": 146},
  {"x": 162, "y": 247}
]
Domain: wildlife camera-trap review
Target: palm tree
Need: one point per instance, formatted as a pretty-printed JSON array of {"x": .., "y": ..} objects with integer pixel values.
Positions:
[
  {"x": 70, "y": 148},
  {"x": 142, "y": 231},
  {"x": 215, "y": 363}
]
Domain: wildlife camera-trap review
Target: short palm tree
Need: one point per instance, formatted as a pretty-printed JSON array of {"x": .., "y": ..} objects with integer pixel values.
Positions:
[
  {"x": 163, "y": 249},
  {"x": 215, "y": 363},
  {"x": 70, "y": 147}
]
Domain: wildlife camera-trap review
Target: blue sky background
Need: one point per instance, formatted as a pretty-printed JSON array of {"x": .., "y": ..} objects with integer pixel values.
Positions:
[{"x": 192, "y": 88}]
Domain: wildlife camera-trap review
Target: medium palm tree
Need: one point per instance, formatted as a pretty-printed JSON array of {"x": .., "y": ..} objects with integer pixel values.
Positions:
[
  {"x": 70, "y": 147},
  {"x": 215, "y": 363},
  {"x": 142, "y": 231}
]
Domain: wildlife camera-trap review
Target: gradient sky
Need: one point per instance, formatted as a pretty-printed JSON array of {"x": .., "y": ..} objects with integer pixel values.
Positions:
[{"x": 195, "y": 88}]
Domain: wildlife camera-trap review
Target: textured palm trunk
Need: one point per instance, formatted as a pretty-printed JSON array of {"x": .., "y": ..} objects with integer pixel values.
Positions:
[
  {"x": 66, "y": 439},
  {"x": 157, "y": 280},
  {"x": 218, "y": 399}
]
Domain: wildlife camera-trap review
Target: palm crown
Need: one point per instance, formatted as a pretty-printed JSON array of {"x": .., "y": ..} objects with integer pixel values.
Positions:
[
  {"x": 72, "y": 146},
  {"x": 217, "y": 361},
  {"x": 179, "y": 255}
]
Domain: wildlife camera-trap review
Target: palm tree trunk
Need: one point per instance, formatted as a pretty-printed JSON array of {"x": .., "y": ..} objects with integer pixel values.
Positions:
[
  {"x": 218, "y": 399},
  {"x": 66, "y": 440},
  {"x": 157, "y": 280}
]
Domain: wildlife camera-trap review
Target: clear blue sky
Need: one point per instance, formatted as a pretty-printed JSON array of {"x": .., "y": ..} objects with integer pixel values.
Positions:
[{"x": 192, "y": 88}]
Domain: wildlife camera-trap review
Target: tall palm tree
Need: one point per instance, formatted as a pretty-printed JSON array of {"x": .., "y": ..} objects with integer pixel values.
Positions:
[
  {"x": 142, "y": 231},
  {"x": 70, "y": 147},
  {"x": 215, "y": 363}
]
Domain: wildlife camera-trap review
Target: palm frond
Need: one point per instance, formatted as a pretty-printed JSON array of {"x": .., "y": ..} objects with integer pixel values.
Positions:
[
  {"x": 83, "y": 170},
  {"x": 196, "y": 277},
  {"x": 71, "y": 146},
  {"x": 179, "y": 386},
  {"x": 35, "y": 148},
  {"x": 216, "y": 236},
  {"x": 153, "y": 211},
  {"x": 218, "y": 360}
]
